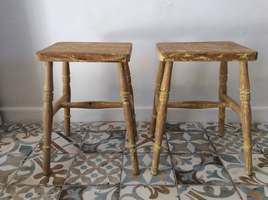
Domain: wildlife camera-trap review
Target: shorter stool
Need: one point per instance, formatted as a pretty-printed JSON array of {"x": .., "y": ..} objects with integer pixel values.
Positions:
[{"x": 203, "y": 51}]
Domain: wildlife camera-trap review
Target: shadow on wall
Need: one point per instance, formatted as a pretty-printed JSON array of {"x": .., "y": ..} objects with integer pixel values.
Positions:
[{"x": 20, "y": 84}]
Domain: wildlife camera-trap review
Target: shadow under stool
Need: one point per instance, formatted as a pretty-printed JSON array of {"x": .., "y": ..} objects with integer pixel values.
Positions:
[
  {"x": 67, "y": 52},
  {"x": 203, "y": 51}
]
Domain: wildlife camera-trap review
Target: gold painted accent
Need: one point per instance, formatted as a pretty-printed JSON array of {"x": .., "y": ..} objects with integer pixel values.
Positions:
[
  {"x": 157, "y": 147},
  {"x": 124, "y": 96},
  {"x": 244, "y": 94},
  {"x": 46, "y": 147},
  {"x": 163, "y": 96}
]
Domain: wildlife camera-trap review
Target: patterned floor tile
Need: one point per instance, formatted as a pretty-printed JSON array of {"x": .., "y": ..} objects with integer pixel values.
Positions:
[
  {"x": 145, "y": 192},
  {"x": 165, "y": 175},
  {"x": 22, "y": 142},
  {"x": 232, "y": 141},
  {"x": 78, "y": 131},
  {"x": 95, "y": 169},
  {"x": 59, "y": 144},
  {"x": 199, "y": 169},
  {"x": 19, "y": 192},
  {"x": 144, "y": 143},
  {"x": 106, "y": 142},
  {"x": 234, "y": 165},
  {"x": 184, "y": 126},
  {"x": 106, "y": 126},
  {"x": 9, "y": 164},
  {"x": 207, "y": 192},
  {"x": 188, "y": 142},
  {"x": 143, "y": 126},
  {"x": 79, "y": 192},
  {"x": 253, "y": 192},
  {"x": 31, "y": 172}
]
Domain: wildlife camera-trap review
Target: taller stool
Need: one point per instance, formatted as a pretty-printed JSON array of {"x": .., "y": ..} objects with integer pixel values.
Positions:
[
  {"x": 203, "y": 51},
  {"x": 86, "y": 52}
]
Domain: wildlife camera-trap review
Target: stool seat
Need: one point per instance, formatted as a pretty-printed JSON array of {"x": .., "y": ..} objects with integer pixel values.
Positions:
[
  {"x": 86, "y": 51},
  {"x": 204, "y": 51}
]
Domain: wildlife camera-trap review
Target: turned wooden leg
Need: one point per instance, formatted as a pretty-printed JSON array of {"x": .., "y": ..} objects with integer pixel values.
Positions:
[
  {"x": 246, "y": 115},
  {"x": 47, "y": 115},
  {"x": 130, "y": 125},
  {"x": 161, "y": 115},
  {"x": 222, "y": 91},
  {"x": 67, "y": 96},
  {"x": 130, "y": 89},
  {"x": 156, "y": 95}
]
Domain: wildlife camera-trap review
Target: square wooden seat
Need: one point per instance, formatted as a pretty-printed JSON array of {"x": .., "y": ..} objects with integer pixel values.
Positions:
[
  {"x": 203, "y": 51},
  {"x": 86, "y": 51},
  {"x": 67, "y": 52}
]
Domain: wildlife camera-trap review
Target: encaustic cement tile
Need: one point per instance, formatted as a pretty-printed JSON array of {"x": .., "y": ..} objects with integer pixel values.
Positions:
[
  {"x": 9, "y": 163},
  {"x": 144, "y": 192},
  {"x": 188, "y": 142},
  {"x": 31, "y": 172},
  {"x": 165, "y": 173},
  {"x": 199, "y": 169},
  {"x": 184, "y": 126},
  {"x": 23, "y": 142},
  {"x": 235, "y": 166},
  {"x": 145, "y": 142},
  {"x": 207, "y": 192},
  {"x": 59, "y": 144},
  {"x": 253, "y": 192},
  {"x": 106, "y": 142},
  {"x": 80, "y": 192},
  {"x": 232, "y": 141},
  {"x": 95, "y": 169},
  {"x": 20, "y": 192},
  {"x": 106, "y": 126}
]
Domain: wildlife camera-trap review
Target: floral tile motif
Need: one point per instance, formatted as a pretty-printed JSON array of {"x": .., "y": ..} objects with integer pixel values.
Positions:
[
  {"x": 106, "y": 126},
  {"x": 80, "y": 192},
  {"x": 95, "y": 169},
  {"x": 78, "y": 131},
  {"x": 253, "y": 192},
  {"x": 31, "y": 172},
  {"x": 144, "y": 143},
  {"x": 234, "y": 165},
  {"x": 184, "y": 126},
  {"x": 59, "y": 144},
  {"x": 207, "y": 192},
  {"x": 9, "y": 164},
  {"x": 232, "y": 141},
  {"x": 165, "y": 174},
  {"x": 105, "y": 142},
  {"x": 30, "y": 192},
  {"x": 188, "y": 142},
  {"x": 144, "y": 192},
  {"x": 199, "y": 169},
  {"x": 21, "y": 142},
  {"x": 12, "y": 127},
  {"x": 143, "y": 126}
]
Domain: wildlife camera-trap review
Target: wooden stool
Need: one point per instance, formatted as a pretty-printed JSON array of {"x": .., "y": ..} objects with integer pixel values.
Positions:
[
  {"x": 203, "y": 51},
  {"x": 86, "y": 52}
]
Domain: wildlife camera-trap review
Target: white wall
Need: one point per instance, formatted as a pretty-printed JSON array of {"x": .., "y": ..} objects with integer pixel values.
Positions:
[{"x": 28, "y": 26}]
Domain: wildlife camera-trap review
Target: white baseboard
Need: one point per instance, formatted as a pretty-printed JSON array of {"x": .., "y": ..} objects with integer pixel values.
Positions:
[{"x": 33, "y": 114}]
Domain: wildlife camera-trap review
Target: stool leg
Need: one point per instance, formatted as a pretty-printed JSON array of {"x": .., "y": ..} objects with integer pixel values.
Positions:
[
  {"x": 126, "y": 100},
  {"x": 47, "y": 115},
  {"x": 156, "y": 95},
  {"x": 246, "y": 115},
  {"x": 161, "y": 116},
  {"x": 67, "y": 95},
  {"x": 130, "y": 89},
  {"x": 222, "y": 91}
]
